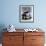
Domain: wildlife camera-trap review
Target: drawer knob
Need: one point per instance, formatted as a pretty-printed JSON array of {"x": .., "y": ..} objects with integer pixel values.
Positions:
[
  {"x": 11, "y": 38},
  {"x": 33, "y": 39}
]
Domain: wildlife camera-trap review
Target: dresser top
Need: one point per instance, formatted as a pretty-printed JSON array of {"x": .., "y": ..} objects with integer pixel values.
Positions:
[{"x": 22, "y": 30}]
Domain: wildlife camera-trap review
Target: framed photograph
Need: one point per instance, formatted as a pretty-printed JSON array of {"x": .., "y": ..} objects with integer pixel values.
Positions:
[{"x": 26, "y": 13}]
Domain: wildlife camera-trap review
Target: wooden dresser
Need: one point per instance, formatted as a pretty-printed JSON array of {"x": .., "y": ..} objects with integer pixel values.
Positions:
[{"x": 23, "y": 38}]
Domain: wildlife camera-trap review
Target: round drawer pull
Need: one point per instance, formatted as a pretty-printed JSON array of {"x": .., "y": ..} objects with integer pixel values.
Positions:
[{"x": 33, "y": 39}]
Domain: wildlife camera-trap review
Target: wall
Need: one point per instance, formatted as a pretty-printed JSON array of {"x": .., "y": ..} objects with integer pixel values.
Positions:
[{"x": 9, "y": 13}]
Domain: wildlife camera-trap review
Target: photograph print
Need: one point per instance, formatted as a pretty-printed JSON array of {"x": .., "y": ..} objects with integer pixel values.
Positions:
[{"x": 26, "y": 13}]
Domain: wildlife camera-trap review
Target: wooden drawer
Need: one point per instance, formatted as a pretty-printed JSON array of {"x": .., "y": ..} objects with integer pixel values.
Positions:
[
  {"x": 27, "y": 38},
  {"x": 12, "y": 39},
  {"x": 37, "y": 39},
  {"x": 20, "y": 44},
  {"x": 37, "y": 45},
  {"x": 13, "y": 33},
  {"x": 34, "y": 33},
  {"x": 27, "y": 41},
  {"x": 33, "y": 39}
]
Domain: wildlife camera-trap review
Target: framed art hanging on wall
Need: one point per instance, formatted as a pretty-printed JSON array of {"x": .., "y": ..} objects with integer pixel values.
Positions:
[{"x": 26, "y": 13}]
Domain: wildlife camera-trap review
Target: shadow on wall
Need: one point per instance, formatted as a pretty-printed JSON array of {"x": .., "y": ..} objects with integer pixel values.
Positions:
[{"x": 2, "y": 26}]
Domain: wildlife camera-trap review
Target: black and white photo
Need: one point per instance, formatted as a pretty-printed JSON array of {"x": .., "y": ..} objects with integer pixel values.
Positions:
[{"x": 26, "y": 13}]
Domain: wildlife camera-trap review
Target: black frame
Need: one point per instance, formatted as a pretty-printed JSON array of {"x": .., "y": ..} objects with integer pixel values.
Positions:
[{"x": 20, "y": 6}]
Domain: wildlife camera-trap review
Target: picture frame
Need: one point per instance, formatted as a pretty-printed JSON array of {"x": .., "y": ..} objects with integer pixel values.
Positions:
[{"x": 26, "y": 13}]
